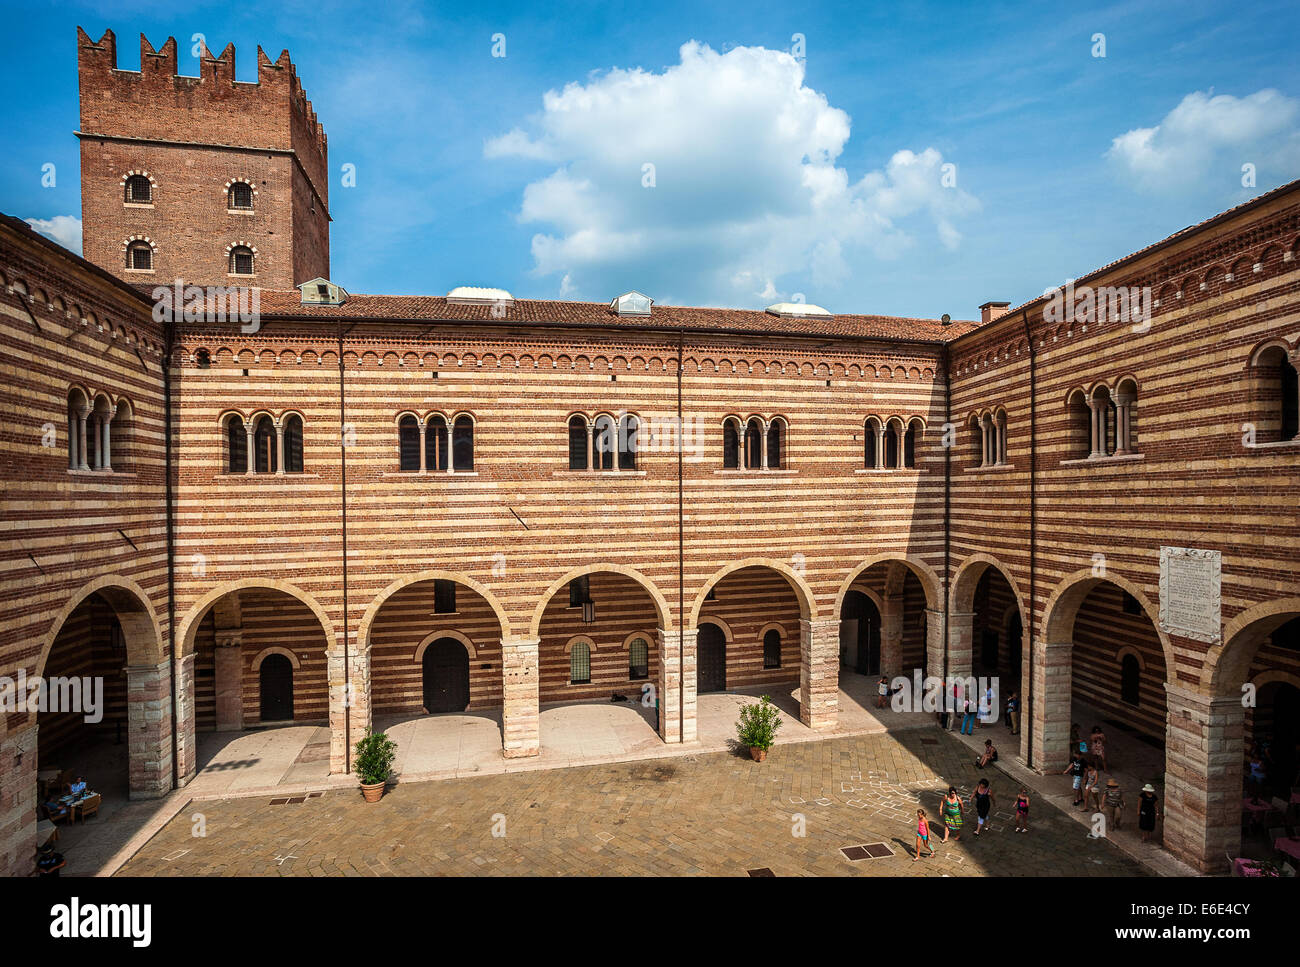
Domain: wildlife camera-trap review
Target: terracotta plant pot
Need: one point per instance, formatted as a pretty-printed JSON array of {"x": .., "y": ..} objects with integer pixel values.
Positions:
[
  {"x": 758, "y": 754},
  {"x": 373, "y": 792}
]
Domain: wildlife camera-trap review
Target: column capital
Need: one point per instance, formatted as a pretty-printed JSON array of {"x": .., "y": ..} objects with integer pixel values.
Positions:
[
  {"x": 1190, "y": 696},
  {"x": 820, "y": 624},
  {"x": 520, "y": 641},
  {"x": 677, "y": 634}
]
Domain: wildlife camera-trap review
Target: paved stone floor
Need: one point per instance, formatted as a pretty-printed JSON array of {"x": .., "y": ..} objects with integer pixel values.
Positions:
[{"x": 709, "y": 813}]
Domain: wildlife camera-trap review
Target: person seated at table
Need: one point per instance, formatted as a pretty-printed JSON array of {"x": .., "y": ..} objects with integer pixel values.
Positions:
[
  {"x": 990, "y": 754},
  {"x": 78, "y": 788},
  {"x": 55, "y": 811},
  {"x": 1258, "y": 774}
]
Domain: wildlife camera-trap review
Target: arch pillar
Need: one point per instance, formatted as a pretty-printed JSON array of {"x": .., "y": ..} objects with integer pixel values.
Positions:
[
  {"x": 819, "y": 670},
  {"x": 187, "y": 763},
  {"x": 1051, "y": 675},
  {"x": 229, "y": 680},
  {"x": 891, "y": 635},
  {"x": 149, "y": 729},
  {"x": 520, "y": 709},
  {"x": 935, "y": 645},
  {"x": 961, "y": 640},
  {"x": 1204, "y": 738},
  {"x": 349, "y": 698},
  {"x": 676, "y": 682}
]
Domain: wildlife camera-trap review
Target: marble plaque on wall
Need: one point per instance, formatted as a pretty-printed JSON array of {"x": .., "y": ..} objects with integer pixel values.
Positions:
[{"x": 1189, "y": 593}]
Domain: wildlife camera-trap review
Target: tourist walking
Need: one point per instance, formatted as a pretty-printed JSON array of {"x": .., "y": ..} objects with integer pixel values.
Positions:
[
  {"x": 1148, "y": 811},
  {"x": 1091, "y": 787},
  {"x": 1013, "y": 713},
  {"x": 1077, "y": 767},
  {"x": 983, "y": 799},
  {"x": 922, "y": 835},
  {"x": 1022, "y": 811},
  {"x": 882, "y": 692},
  {"x": 1097, "y": 746},
  {"x": 1114, "y": 802},
  {"x": 967, "y": 718},
  {"x": 950, "y": 809}
]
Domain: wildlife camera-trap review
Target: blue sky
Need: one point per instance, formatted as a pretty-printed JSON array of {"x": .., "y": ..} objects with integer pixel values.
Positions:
[{"x": 823, "y": 175}]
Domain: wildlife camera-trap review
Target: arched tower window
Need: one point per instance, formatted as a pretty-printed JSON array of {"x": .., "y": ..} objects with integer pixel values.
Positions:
[
  {"x": 236, "y": 445},
  {"x": 1276, "y": 392},
  {"x": 627, "y": 442},
  {"x": 435, "y": 443},
  {"x": 462, "y": 444},
  {"x": 139, "y": 190},
  {"x": 408, "y": 443},
  {"x": 241, "y": 260},
  {"x": 909, "y": 443},
  {"x": 579, "y": 664},
  {"x": 139, "y": 256},
  {"x": 772, "y": 649},
  {"x": 754, "y": 444},
  {"x": 871, "y": 444},
  {"x": 293, "y": 443},
  {"x": 577, "y": 442},
  {"x": 604, "y": 442},
  {"x": 264, "y": 445},
  {"x": 240, "y": 196},
  {"x": 638, "y": 659},
  {"x": 775, "y": 447},
  {"x": 731, "y": 445}
]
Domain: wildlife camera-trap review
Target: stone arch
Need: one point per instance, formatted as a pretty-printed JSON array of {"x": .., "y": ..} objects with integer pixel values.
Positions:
[
  {"x": 587, "y": 640},
  {"x": 438, "y": 635},
  {"x": 927, "y": 575},
  {"x": 661, "y": 603},
  {"x": 189, "y": 625},
  {"x": 134, "y": 611},
  {"x": 1124, "y": 651},
  {"x": 967, "y": 579},
  {"x": 1274, "y": 675},
  {"x": 1227, "y": 663},
  {"x": 372, "y": 610},
  {"x": 266, "y": 653},
  {"x": 725, "y": 628},
  {"x": 627, "y": 642},
  {"x": 802, "y": 592},
  {"x": 773, "y": 626},
  {"x": 1062, "y": 607}
]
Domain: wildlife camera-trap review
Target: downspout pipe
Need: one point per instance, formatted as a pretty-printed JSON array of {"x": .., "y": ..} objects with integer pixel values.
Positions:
[
  {"x": 343, "y": 517},
  {"x": 947, "y": 512},
  {"x": 1027, "y": 703},
  {"x": 169, "y": 342},
  {"x": 681, "y": 548}
]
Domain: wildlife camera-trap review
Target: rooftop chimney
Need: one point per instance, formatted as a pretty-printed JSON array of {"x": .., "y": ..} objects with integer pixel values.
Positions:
[{"x": 993, "y": 310}]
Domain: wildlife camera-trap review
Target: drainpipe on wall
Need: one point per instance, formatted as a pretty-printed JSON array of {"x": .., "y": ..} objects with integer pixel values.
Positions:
[
  {"x": 169, "y": 343},
  {"x": 947, "y": 510},
  {"x": 343, "y": 516},
  {"x": 681, "y": 550},
  {"x": 1025, "y": 706}
]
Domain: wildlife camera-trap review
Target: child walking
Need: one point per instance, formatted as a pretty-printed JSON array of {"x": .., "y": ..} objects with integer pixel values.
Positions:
[
  {"x": 983, "y": 797},
  {"x": 1022, "y": 811},
  {"x": 922, "y": 835}
]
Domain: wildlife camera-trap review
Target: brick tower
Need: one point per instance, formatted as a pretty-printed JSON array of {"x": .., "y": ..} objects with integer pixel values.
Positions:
[{"x": 206, "y": 179}]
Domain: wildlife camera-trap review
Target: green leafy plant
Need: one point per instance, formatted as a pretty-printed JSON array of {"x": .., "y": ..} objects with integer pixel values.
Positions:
[
  {"x": 374, "y": 758},
  {"x": 758, "y": 724}
]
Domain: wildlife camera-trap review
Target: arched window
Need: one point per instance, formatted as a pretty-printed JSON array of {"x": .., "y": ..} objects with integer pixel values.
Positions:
[
  {"x": 236, "y": 445},
  {"x": 435, "y": 443},
  {"x": 462, "y": 444},
  {"x": 604, "y": 441},
  {"x": 264, "y": 445},
  {"x": 579, "y": 591},
  {"x": 754, "y": 444},
  {"x": 909, "y": 443},
  {"x": 241, "y": 260},
  {"x": 579, "y": 664},
  {"x": 638, "y": 659},
  {"x": 1080, "y": 426},
  {"x": 1000, "y": 430},
  {"x": 241, "y": 196},
  {"x": 628, "y": 427},
  {"x": 577, "y": 443},
  {"x": 871, "y": 444},
  {"x": 1276, "y": 393},
  {"x": 774, "y": 444},
  {"x": 1130, "y": 678},
  {"x": 293, "y": 443},
  {"x": 892, "y": 450},
  {"x": 731, "y": 445},
  {"x": 139, "y": 256},
  {"x": 139, "y": 190},
  {"x": 78, "y": 410},
  {"x": 772, "y": 649},
  {"x": 98, "y": 434},
  {"x": 408, "y": 443}
]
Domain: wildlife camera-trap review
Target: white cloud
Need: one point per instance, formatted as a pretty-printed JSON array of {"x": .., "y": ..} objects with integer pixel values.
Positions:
[
  {"x": 747, "y": 200},
  {"x": 1209, "y": 137},
  {"x": 64, "y": 229}
]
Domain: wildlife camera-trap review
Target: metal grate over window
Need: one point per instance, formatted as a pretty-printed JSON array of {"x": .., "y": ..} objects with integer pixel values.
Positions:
[
  {"x": 241, "y": 196},
  {"x": 140, "y": 256},
  {"x": 580, "y": 664},
  {"x": 139, "y": 189},
  {"x": 241, "y": 261},
  {"x": 638, "y": 659}
]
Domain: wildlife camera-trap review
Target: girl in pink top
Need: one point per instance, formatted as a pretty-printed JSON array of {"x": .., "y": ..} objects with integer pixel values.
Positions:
[{"x": 922, "y": 835}]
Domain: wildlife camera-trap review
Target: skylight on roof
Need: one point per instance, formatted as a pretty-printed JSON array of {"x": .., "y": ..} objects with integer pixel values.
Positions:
[
  {"x": 798, "y": 310},
  {"x": 473, "y": 295},
  {"x": 632, "y": 304}
]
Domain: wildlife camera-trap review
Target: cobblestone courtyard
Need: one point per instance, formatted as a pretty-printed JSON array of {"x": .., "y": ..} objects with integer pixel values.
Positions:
[{"x": 715, "y": 814}]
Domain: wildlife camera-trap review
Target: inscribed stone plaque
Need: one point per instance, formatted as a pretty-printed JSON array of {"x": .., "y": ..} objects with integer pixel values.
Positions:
[{"x": 1189, "y": 593}]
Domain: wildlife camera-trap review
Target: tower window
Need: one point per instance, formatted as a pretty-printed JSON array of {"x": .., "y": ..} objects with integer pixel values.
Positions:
[
  {"x": 139, "y": 256},
  {"x": 241, "y": 196},
  {"x": 241, "y": 260},
  {"x": 638, "y": 660},
  {"x": 139, "y": 190}
]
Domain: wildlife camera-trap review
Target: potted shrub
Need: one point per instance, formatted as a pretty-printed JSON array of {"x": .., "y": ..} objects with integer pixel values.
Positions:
[
  {"x": 757, "y": 727},
  {"x": 374, "y": 763}
]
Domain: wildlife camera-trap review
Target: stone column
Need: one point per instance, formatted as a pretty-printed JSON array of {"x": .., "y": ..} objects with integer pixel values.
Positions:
[
  {"x": 423, "y": 437},
  {"x": 676, "y": 683},
  {"x": 229, "y": 681},
  {"x": 934, "y": 644},
  {"x": 106, "y": 450},
  {"x": 880, "y": 447},
  {"x": 591, "y": 447},
  {"x": 762, "y": 444},
  {"x": 250, "y": 448},
  {"x": 18, "y": 800},
  {"x": 149, "y": 729},
  {"x": 819, "y": 669},
  {"x": 1097, "y": 446},
  {"x": 891, "y": 636},
  {"x": 1051, "y": 676},
  {"x": 1122, "y": 443},
  {"x": 279, "y": 447},
  {"x": 961, "y": 641},
  {"x": 520, "y": 711},
  {"x": 1205, "y": 741},
  {"x": 81, "y": 434},
  {"x": 187, "y": 760},
  {"x": 1000, "y": 431},
  {"x": 349, "y": 692}
]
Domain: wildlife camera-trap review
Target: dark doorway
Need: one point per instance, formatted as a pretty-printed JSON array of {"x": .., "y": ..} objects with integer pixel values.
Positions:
[
  {"x": 1015, "y": 632},
  {"x": 860, "y": 634},
  {"x": 1280, "y": 734},
  {"x": 277, "y": 688},
  {"x": 446, "y": 676},
  {"x": 710, "y": 659},
  {"x": 989, "y": 651}
]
